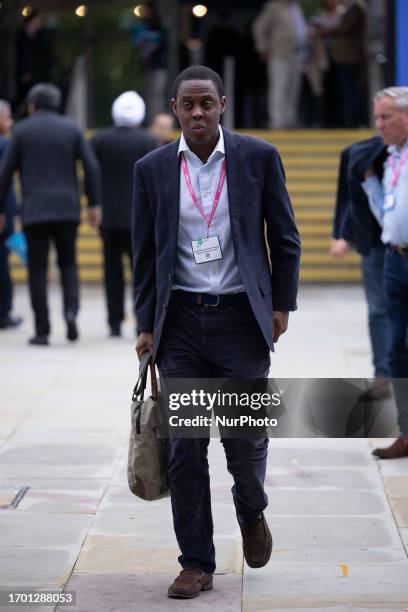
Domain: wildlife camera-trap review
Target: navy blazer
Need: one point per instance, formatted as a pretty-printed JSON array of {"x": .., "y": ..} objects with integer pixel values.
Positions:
[
  {"x": 264, "y": 234},
  {"x": 353, "y": 218}
]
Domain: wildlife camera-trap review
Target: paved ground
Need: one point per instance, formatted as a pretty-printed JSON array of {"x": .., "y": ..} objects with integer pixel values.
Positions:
[{"x": 339, "y": 518}]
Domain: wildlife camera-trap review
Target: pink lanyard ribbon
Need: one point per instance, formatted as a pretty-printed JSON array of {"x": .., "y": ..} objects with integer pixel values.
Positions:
[
  {"x": 397, "y": 172},
  {"x": 208, "y": 217}
]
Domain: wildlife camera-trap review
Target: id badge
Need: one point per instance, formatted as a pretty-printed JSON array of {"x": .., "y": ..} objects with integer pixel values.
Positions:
[
  {"x": 206, "y": 249},
  {"x": 389, "y": 201}
]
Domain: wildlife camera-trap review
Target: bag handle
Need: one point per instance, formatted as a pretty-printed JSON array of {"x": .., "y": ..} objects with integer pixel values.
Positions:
[{"x": 145, "y": 361}]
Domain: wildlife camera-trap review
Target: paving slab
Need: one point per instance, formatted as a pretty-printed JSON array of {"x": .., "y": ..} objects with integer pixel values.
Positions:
[
  {"x": 37, "y": 529},
  {"x": 326, "y": 501},
  {"x": 102, "y": 554},
  {"x": 285, "y": 585},
  {"x": 147, "y": 593},
  {"x": 317, "y": 478},
  {"x": 333, "y": 532},
  {"x": 22, "y": 566}
]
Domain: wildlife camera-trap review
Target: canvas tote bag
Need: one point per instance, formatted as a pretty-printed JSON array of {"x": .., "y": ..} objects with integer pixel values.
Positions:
[{"x": 147, "y": 457}]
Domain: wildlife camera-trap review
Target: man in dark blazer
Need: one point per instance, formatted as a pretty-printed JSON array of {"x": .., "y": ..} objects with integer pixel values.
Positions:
[
  {"x": 217, "y": 198},
  {"x": 117, "y": 149},
  {"x": 355, "y": 225},
  {"x": 44, "y": 149}
]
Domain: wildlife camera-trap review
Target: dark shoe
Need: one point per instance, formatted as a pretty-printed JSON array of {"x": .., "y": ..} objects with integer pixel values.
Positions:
[
  {"x": 380, "y": 389},
  {"x": 115, "y": 331},
  {"x": 72, "y": 330},
  {"x": 399, "y": 448},
  {"x": 39, "y": 341},
  {"x": 256, "y": 542},
  {"x": 10, "y": 322},
  {"x": 189, "y": 584}
]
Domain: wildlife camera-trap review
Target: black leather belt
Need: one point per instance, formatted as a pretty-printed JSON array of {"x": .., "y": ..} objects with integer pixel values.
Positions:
[
  {"x": 401, "y": 249},
  {"x": 209, "y": 299}
]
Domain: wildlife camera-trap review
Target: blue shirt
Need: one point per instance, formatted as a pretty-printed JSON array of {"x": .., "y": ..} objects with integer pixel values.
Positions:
[{"x": 393, "y": 220}]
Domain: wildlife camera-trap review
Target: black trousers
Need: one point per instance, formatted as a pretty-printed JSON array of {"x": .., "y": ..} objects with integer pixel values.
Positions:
[
  {"x": 212, "y": 342},
  {"x": 39, "y": 236},
  {"x": 6, "y": 291},
  {"x": 116, "y": 243}
]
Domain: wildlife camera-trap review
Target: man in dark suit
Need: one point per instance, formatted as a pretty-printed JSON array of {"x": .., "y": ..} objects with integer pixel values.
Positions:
[
  {"x": 117, "y": 149},
  {"x": 44, "y": 149},
  {"x": 212, "y": 196}
]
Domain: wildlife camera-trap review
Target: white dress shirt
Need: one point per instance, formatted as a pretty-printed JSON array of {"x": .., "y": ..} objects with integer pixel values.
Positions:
[
  {"x": 394, "y": 222},
  {"x": 220, "y": 276}
]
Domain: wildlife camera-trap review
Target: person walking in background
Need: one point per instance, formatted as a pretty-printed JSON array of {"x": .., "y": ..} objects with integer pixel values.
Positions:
[
  {"x": 117, "y": 149},
  {"x": 161, "y": 128},
  {"x": 388, "y": 201},
  {"x": 320, "y": 67},
  {"x": 44, "y": 149},
  {"x": 203, "y": 230},
  {"x": 355, "y": 225},
  {"x": 280, "y": 34},
  {"x": 150, "y": 38},
  {"x": 10, "y": 211},
  {"x": 347, "y": 48}
]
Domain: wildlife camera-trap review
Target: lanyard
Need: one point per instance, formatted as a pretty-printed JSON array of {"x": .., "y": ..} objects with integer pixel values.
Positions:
[
  {"x": 397, "y": 172},
  {"x": 208, "y": 217}
]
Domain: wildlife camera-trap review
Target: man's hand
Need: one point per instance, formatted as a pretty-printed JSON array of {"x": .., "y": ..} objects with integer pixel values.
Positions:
[
  {"x": 144, "y": 343},
  {"x": 280, "y": 323},
  {"x": 2, "y": 222},
  {"x": 95, "y": 216},
  {"x": 369, "y": 172},
  {"x": 338, "y": 247}
]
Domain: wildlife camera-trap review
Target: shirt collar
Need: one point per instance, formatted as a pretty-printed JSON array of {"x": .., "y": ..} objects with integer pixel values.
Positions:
[{"x": 219, "y": 147}]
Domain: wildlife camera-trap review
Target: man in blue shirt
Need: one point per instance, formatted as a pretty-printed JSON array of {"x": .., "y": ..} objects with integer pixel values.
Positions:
[{"x": 389, "y": 203}]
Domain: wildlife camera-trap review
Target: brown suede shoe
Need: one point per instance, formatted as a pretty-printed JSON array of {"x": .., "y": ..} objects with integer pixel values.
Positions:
[
  {"x": 256, "y": 542},
  {"x": 189, "y": 583},
  {"x": 398, "y": 449}
]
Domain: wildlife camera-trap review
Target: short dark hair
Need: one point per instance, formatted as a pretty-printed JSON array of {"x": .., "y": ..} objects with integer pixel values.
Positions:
[
  {"x": 45, "y": 95},
  {"x": 199, "y": 73}
]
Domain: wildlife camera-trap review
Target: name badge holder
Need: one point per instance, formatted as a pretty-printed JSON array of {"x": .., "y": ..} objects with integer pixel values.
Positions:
[{"x": 206, "y": 249}]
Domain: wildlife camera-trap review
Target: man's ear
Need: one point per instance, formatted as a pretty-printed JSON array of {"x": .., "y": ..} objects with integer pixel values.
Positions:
[
  {"x": 174, "y": 106},
  {"x": 223, "y": 103}
]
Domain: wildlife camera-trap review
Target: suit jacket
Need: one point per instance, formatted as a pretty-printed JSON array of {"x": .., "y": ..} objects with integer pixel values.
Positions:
[
  {"x": 258, "y": 201},
  {"x": 45, "y": 148},
  {"x": 117, "y": 149},
  {"x": 353, "y": 219},
  {"x": 10, "y": 205}
]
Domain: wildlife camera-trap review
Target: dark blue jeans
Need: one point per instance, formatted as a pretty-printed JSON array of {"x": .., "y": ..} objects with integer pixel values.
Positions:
[
  {"x": 372, "y": 267},
  {"x": 212, "y": 342},
  {"x": 396, "y": 289}
]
